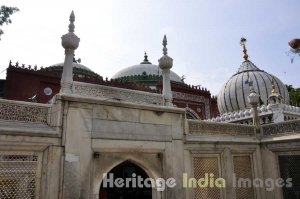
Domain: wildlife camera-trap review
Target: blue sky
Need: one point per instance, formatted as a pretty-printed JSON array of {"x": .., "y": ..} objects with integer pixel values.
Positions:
[{"x": 203, "y": 35}]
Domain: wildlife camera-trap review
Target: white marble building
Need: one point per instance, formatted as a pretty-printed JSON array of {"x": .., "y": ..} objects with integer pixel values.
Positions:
[{"x": 62, "y": 149}]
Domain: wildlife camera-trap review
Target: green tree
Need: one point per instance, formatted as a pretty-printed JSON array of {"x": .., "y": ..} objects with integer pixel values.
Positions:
[
  {"x": 5, "y": 13},
  {"x": 294, "y": 95}
]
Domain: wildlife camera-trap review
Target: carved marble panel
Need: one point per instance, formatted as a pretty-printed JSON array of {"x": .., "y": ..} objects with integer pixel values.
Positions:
[
  {"x": 112, "y": 93},
  {"x": 220, "y": 129},
  {"x": 280, "y": 129},
  {"x": 22, "y": 111}
]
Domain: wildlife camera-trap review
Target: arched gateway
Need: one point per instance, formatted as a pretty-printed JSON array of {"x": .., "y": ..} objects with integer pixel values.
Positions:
[{"x": 126, "y": 170}]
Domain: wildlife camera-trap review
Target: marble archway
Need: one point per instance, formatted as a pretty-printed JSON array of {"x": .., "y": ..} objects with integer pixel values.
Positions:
[{"x": 129, "y": 172}]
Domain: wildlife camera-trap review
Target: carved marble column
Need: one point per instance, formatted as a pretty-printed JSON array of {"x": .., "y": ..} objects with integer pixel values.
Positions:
[
  {"x": 166, "y": 63},
  {"x": 70, "y": 42},
  {"x": 253, "y": 99}
]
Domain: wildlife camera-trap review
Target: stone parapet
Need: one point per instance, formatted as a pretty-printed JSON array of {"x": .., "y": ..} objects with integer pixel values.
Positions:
[
  {"x": 24, "y": 111},
  {"x": 281, "y": 129},
  {"x": 219, "y": 129},
  {"x": 120, "y": 94}
]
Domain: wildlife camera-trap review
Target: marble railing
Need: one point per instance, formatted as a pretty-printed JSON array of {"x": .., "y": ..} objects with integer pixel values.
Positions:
[
  {"x": 280, "y": 129},
  {"x": 113, "y": 93},
  {"x": 291, "y": 109},
  {"x": 265, "y": 114},
  {"x": 291, "y": 112},
  {"x": 219, "y": 129},
  {"x": 23, "y": 111},
  {"x": 245, "y": 116}
]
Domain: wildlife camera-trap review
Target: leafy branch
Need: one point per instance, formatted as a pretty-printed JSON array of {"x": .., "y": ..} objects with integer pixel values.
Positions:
[{"x": 5, "y": 13}]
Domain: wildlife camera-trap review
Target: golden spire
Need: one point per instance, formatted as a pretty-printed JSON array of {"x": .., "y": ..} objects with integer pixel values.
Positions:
[
  {"x": 243, "y": 43},
  {"x": 273, "y": 86}
]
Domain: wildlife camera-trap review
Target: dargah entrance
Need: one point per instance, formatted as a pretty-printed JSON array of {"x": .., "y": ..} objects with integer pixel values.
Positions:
[{"x": 122, "y": 183}]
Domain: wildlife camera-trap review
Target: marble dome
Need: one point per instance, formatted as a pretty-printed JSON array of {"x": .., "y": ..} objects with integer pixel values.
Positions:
[
  {"x": 78, "y": 69},
  {"x": 233, "y": 94},
  {"x": 75, "y": 65},
  {"x": 145, "y": 68}
]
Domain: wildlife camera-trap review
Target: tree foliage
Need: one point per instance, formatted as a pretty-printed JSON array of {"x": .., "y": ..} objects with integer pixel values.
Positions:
[
  {"x": 5, "y": 13},
  {"x": 294, "y": 95}
]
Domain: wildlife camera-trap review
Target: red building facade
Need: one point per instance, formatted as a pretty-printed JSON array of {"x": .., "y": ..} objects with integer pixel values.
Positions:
[{"x": 27, "y": 83}]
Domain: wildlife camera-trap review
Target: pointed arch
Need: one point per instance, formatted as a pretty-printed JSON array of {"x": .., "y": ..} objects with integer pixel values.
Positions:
[
  {"x": 131, "y": 189},
  {"x": 106, "y": 161},
  {"x": 191, "y": 114}
]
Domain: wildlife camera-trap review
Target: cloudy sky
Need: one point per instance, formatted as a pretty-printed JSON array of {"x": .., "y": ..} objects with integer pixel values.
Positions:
[{"x": 203, "y": 35}]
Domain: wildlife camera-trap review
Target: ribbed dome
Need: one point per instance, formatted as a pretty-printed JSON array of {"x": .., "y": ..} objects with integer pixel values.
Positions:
[
  {"x": 233, "y": 95},
  {"x": 144, "y": 69}
]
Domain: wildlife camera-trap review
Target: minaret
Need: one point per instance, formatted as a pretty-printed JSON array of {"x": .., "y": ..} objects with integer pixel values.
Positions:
[
  {"x": 70, "y": 42},
  {"x": 166, "y": 63}
]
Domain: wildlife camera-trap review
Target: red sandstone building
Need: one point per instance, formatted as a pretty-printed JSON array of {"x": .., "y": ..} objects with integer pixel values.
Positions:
[{"x": 27, "y": 83}]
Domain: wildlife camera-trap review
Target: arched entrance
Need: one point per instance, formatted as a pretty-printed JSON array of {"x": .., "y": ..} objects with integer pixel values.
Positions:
[{"x": 126, "y": 170}]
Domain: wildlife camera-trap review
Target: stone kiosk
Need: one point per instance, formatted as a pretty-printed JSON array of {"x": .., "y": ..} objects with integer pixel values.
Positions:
[{"x": 63, "y": 149}]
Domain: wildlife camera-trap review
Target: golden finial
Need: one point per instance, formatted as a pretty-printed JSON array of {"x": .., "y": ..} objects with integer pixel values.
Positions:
[
  {"x": 273, "y": 86},
  {"x": 243, "y": 43}
]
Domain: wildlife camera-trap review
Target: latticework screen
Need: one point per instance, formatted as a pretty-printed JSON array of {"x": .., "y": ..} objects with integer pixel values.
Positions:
[
  {"x": 18, "y": 176},
  {"x": 290, "y": 168},
  {"x": 202, "y": 166},
  {"x": 244, "y": 177}
]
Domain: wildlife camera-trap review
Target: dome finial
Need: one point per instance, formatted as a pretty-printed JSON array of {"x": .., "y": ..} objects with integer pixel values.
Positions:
[
  {"x": 243, "y": 43},
  {"x": 146, "y": 57},
  {"x": 146, "y": 61},
  {"x": 72, "y": 19},
  {"x": 165, "y": 42}
]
